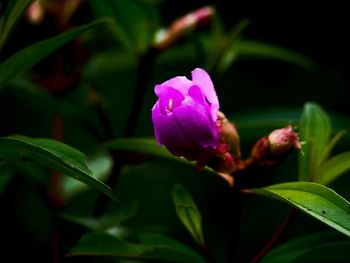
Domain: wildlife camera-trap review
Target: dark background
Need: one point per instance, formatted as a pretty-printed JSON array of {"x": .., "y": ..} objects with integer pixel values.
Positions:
[{"x": 318, "y": 31}]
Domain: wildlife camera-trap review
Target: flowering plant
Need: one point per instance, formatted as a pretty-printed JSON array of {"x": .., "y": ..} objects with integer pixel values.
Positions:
[{"x": 125, "y": 138}]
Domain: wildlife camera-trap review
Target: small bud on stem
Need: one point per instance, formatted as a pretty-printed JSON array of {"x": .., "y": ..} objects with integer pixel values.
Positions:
[
  {"x": 272, "y": 149},
  {"x": 183, "y": 25}
]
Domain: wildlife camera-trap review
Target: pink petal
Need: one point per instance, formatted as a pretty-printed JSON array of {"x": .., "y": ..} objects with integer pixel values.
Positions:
[
  {"x": 170, "y": 134},
  {"x": 167, "y": 94},
  {"x": 201, "y": 78},
  {"x": 196, "y": 122},
  {"x": 180, "y": 83}
]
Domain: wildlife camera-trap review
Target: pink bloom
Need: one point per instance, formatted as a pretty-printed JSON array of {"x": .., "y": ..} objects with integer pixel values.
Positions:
[{"x": 185, "y": 116}]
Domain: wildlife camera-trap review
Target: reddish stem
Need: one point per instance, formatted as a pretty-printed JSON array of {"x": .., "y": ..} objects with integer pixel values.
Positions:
[
  {"x": 276, "y": 237},
  {"x": 55, "y": 184}
]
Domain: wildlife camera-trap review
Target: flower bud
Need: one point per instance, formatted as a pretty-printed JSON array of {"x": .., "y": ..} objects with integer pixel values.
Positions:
[
  {"x": 183, "y": 25},
  {"x": 272, "y": 149},
  {"x": 35, "y": 12},
  {"x": 229, "y": 135}
]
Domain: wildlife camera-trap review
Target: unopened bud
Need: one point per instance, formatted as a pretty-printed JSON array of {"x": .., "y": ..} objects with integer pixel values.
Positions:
[
  {"x": 272, "y": 149},
  {"x": 35, "y": 13},
  {"x": 284, "y": 140},
  {"x": 222, "y": 161},
  {"x": 183, "y": 25},
  {"x": 229, "y": 135},
  {"x": 228, "y": 153}
]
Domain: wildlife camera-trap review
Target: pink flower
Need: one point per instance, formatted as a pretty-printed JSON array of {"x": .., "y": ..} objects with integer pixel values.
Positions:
[{"x": 185, "y": 116}]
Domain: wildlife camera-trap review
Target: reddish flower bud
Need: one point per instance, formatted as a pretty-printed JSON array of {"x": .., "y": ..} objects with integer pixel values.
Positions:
[
  {"x": 272, "y": 149},
  {"x": 284, "y": 140}
]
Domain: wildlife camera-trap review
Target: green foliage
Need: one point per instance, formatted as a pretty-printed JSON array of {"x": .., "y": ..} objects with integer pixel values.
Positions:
[
  {"x": 134, "y": 32},
  {"x": 333, "y": 168},
  {"x": 13, "y": 12},
  {"x": 314, "y": 199},
  {"x": 52, "y": 154},
  {"x": 314, "y": 132},
  {"x": 251, "y": 48},
  {"x": 318, "y": 247},
  {"x": 29, "y": 56},
  {"x": 153, "y": 247},
  {"x": 188, "y": 213}
]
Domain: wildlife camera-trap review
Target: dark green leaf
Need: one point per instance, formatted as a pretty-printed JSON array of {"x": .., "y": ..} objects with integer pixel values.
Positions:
[
  {"x": 53, "y": 154},
  {"x": 141, "y": 145},
  {"x": 257, "y": 49},
  {"x": 314, "y": 199},
  {"x": 222, "y": 53},
  {"x": 102, "y": 8},
  {"x": 157, "y": 239},
  {"x": 134, "y": 31},
  {"x": 314, "y": 132},
  {"x": 14, "y": 10},
  {"x": 106, "y": 222},
  {"x": 100, "y": 166},
  {"x": 5, "y": 178},
  {"x": 29, "y": 56},
  {"x": 333, "y": 168},
  {"x": 102, "y": 244},
  {"x": 296, "y": 250},
  {"x": 146, "y": 146},
  {"x": 188, "y": 213}
]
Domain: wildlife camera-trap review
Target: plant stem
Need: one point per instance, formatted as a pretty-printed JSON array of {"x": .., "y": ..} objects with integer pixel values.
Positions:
[
  {"x": 144, "y": 74},
  {"x": 276, "y": 237}
]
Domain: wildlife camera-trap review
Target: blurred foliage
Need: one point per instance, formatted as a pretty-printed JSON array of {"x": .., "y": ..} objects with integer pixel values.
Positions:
[{"x": 82, "y": 178}]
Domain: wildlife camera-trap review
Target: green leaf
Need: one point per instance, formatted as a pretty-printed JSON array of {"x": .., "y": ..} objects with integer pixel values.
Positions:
[
  {"x": 13, "y": 12},
  {"x": 100, "y": 166},
  {"x": 333, "y": 168},
  {"x": 222, "y": 53},
  {"x": 107, "y": 222},
  {"x": 134, "y": 31},
  {"x": 29, "y": 56},
  {"x": 149, "y": 147},
  {"x": 314, "y": 131},
  {"x": 102, "y": 244},
  {"x": 53, "y": 154},
  {"x": 257, "y": 49},
  {"x": 314, "y": 199},
  {"x": 141, "y": 145},
  {"x": 330, "y": 146},
  {"x": 5, "y": 178},
  {"x": 157, "y": 239},
  {"x": 188, "y": 213},
  {"x": 307, "y": 248}
]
